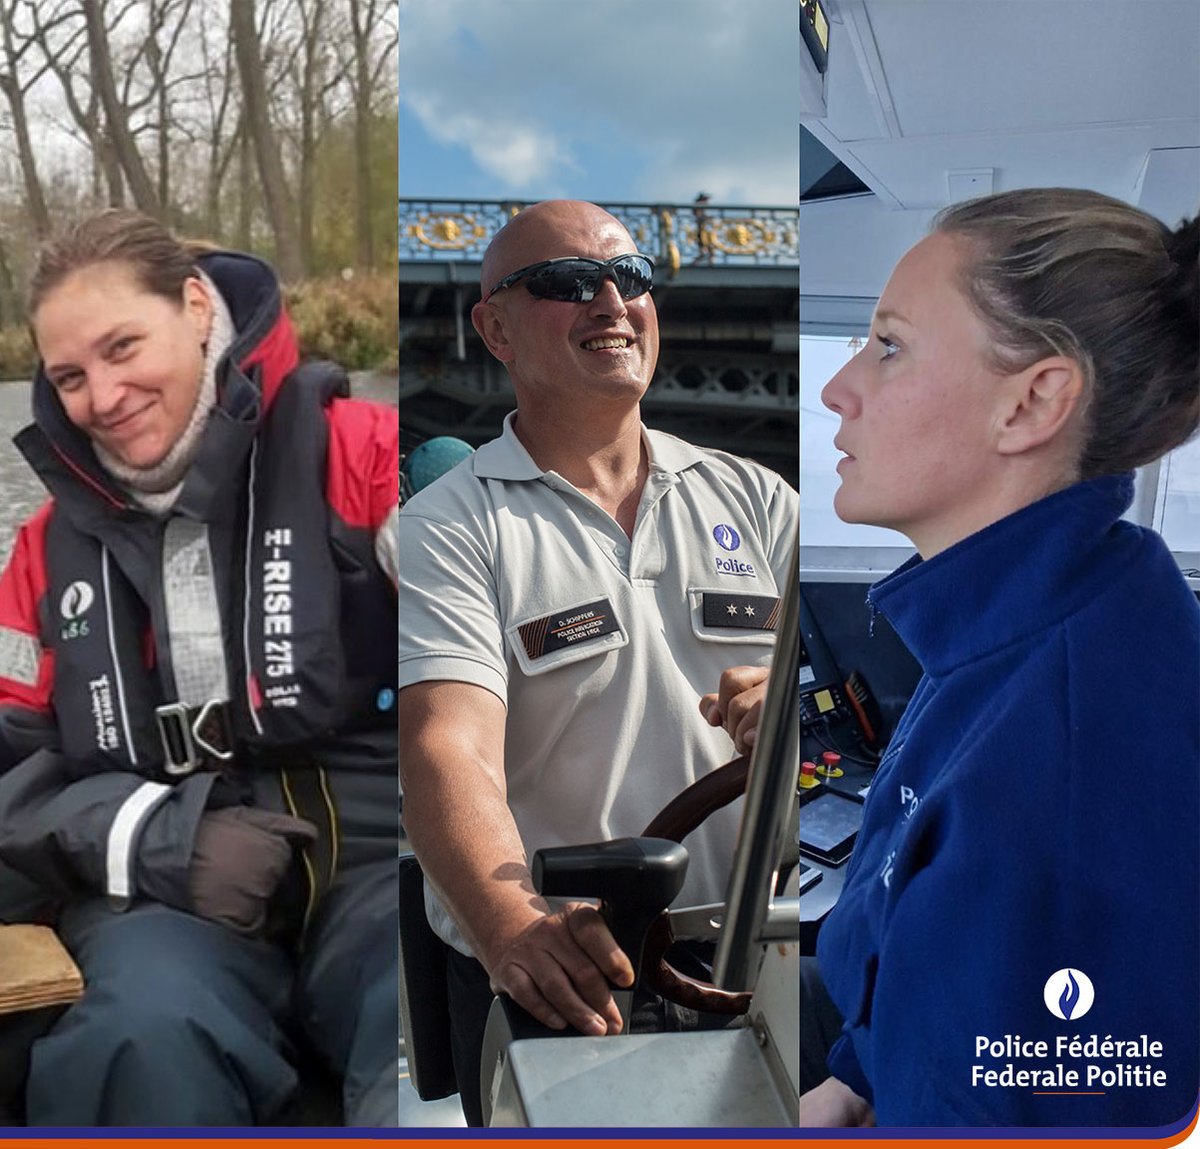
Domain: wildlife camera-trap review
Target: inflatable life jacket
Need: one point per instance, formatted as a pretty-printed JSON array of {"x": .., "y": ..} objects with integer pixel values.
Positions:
[{"x": 183, "y": 642}]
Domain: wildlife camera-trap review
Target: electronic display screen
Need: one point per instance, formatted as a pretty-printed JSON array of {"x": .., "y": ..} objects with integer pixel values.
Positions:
[{"x": 828, "y": 826}]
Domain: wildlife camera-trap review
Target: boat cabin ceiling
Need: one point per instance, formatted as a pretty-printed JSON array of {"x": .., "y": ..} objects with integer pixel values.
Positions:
[{"x": 928, "y": 102}]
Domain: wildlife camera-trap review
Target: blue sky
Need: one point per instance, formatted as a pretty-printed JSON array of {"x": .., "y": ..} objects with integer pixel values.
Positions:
[{"x": 610, "y": 100}]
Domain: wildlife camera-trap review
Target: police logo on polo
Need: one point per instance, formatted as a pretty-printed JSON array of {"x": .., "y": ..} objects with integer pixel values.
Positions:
[
  {"x": 1069, "y": 994},
  {"x": 727, "y": 538}
]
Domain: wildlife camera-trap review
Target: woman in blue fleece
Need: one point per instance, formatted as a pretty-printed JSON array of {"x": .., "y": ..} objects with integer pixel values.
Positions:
[{"x": 1017, "y": 942}]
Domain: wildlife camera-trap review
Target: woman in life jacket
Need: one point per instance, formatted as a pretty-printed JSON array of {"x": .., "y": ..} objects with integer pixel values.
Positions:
[
  {"x": 198, "y": 780},
  {"x": 1026, "y": 873}
]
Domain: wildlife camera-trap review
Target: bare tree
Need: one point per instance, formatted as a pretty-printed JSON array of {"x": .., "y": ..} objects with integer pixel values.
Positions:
[
  {"x": 245, "y": 184},
  {"x": 220, "y": 101},
  {"x": 304, "y": 71},
  {"x": 130, "y": 159},
  {"x": 280, "y": 210},
  {"x": 318, "y": 74},
  {"x": 62, "y": 37},
  {"x": 167, "y": 21},
  {"x": 16, "y": 45},
  {"x": 374, "y": 35}
]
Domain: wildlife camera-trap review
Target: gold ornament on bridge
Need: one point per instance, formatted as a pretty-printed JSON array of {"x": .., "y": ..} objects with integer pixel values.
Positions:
[
  {"x": 743, "y": 236},
  {"x": 453, "y": 232}
]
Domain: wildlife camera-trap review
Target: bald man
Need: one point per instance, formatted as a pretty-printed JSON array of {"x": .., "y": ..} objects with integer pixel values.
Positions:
[{"x": 569, "y": 594}]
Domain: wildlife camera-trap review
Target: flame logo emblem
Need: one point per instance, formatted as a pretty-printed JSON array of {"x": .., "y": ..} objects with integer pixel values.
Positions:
[
  {"x": 1069, "y": 994},
  {"x": 76, "y": 600},
  {"x": 727, "y": 538}
]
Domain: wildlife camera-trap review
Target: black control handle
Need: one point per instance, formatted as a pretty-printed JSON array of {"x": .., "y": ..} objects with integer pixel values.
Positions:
[{"x": 634, "y": 878}]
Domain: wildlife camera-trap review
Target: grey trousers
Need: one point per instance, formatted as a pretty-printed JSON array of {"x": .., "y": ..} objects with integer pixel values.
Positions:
[{"x": 186, "y": 1023}]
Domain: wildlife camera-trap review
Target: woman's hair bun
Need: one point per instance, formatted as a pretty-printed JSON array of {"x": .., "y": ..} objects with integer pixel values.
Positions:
[{"x": 1183, "y": 246}]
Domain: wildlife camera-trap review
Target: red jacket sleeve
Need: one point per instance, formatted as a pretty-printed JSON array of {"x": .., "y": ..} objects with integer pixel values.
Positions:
[
  {"x": 26, "y": 665},
  {"x": 363, "y": 485}
]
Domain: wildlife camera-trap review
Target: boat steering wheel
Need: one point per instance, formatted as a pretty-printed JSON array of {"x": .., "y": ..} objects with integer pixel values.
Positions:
[{"x": 678, "y": 818}]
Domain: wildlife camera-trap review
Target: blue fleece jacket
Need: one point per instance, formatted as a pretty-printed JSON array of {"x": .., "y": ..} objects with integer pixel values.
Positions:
[{"x": 1036, "y": 811}]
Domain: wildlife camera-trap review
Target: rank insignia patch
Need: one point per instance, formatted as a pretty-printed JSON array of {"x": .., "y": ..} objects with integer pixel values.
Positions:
[
  {"x": 568, "y": 628},
  {"x": 743, "y": 611}
]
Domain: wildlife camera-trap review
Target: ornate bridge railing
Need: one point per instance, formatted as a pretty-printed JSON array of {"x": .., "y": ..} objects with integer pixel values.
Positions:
[{"x": 676, "y": 235}]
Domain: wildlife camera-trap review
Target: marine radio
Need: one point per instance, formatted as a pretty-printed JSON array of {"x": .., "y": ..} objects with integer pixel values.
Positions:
[
  {"x": 838, "y": 715},
  {"x": 822, "y": 697},
  {"x": 819, "y": 704}
]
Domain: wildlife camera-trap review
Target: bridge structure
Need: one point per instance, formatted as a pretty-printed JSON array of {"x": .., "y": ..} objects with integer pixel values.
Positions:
[{"x": 726, "y": 287}]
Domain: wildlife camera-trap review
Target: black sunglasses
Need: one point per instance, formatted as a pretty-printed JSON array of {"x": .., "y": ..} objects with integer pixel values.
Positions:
[{"x": 576, "y": 278}]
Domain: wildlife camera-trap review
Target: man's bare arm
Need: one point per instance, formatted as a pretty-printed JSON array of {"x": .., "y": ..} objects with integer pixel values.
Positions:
[{"x": 553, "y": 964}]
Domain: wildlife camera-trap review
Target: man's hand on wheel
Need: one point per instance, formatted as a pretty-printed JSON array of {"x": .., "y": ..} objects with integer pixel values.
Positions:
[{"x": 737, "y": 704}]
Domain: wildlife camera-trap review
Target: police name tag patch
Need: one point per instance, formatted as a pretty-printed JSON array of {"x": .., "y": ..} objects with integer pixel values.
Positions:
[
  {"x": 743, "y": 611},
  {"x": 568, "y": 628}
]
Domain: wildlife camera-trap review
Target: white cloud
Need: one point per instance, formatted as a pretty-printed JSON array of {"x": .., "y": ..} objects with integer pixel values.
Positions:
[
  {"x": 690, "y": 94},
  {"x": 520, "y": 156}
]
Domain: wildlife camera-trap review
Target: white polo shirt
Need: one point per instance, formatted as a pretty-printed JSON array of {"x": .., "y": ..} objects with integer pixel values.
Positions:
[{"x": 599, "y": 646}]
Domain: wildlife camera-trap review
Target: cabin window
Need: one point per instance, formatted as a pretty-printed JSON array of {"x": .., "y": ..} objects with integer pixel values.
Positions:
[
  {"x": 840, "y": 550},
  {"x": 1177, "y": 503}
]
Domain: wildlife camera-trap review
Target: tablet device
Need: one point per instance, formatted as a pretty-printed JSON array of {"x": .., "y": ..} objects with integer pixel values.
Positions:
[{"x": 829, "y": 824}]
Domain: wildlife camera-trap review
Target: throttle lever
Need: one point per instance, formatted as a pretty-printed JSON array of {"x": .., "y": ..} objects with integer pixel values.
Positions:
[{"x": 634, "y": 878}]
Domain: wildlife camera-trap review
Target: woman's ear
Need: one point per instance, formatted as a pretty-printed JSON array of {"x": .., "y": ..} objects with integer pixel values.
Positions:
[
  {"x": 198, "y": 306},
  {"x": 1041, "y": 404},
  {"x": 488, "y": 320}
]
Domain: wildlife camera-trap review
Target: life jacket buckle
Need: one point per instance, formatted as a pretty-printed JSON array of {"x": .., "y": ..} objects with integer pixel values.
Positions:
[
  {"x": 175, "y": 730},
  {"x": 203, "y": 734},
  {"x": 190, "y": 733}
]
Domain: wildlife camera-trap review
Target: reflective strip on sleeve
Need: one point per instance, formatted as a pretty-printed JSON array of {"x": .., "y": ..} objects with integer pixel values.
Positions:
[
  {"x": 121, "y": 836},
  {"x": 20, "y": 656},
  {"x": 387, "y": 545}
]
